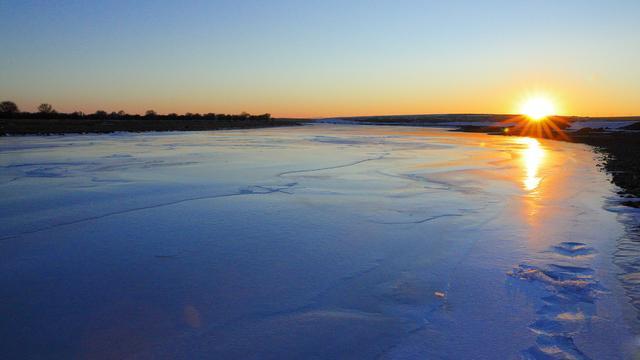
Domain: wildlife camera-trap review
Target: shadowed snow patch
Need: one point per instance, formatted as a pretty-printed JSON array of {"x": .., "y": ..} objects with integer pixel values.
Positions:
[{"x": 569, "y": 307}]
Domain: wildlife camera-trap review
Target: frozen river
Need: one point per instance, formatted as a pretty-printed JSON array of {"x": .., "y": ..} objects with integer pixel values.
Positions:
[{"x": 323, "y": 241}]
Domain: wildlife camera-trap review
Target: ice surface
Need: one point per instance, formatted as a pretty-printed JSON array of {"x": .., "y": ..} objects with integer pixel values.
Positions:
[{"x": 322, "y": 241}]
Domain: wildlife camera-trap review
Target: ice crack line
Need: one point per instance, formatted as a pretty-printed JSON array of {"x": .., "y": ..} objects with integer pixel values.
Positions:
[
  {"x": 254, "y": 190},
  {"x": 332, "y": 167},
  {"x": 421, "y": 221}
]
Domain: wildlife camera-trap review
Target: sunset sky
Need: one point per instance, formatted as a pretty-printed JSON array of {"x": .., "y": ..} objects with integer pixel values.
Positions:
[{"x": 321, "y": 58}]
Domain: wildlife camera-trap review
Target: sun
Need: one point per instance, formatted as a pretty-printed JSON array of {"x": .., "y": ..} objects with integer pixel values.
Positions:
[{"x": 537, "y": 108}]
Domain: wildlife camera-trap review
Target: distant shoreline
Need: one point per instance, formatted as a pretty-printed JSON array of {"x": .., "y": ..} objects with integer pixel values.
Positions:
[{"x": 58, "y": 126}]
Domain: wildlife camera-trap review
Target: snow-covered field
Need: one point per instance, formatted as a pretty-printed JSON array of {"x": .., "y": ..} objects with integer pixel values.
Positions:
[
  {"x": 322, "y": 241},
  {"x": 600, "y": 124}
]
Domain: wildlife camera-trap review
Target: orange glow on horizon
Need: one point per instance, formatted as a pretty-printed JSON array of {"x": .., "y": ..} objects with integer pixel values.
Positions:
[
  {"x": 537, "y": 108},
  {"x": 355, "y": 100}
]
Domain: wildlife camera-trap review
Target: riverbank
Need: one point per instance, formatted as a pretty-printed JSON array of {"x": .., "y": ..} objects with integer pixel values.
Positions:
[{"x": 616, "y": 138}]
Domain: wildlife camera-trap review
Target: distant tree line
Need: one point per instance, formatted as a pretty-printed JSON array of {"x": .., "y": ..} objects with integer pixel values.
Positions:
[{"x": 9, "y": 110}]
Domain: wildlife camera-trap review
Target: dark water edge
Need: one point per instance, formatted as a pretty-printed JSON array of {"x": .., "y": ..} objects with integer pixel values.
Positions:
[{"x": 621, "y": 159}]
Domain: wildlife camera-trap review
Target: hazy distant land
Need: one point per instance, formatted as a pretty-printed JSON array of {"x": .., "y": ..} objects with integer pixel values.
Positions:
[{"x": 51, "y": 122}]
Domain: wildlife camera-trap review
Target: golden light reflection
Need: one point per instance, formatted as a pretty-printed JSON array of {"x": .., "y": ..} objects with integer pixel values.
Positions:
[{"x": 532, "y": 157}]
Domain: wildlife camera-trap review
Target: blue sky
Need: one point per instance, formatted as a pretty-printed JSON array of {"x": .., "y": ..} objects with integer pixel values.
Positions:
[{"x": 312, "y": 58}]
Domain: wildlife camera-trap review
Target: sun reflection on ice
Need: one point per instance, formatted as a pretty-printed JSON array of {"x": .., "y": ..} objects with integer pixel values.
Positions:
[{"x": 532, "y": 157}]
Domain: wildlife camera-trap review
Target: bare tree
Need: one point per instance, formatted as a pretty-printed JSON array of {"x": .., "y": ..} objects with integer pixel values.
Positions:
[
  {"x": 46, "y": 109},
  {"x": 8, "y": 107}
]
